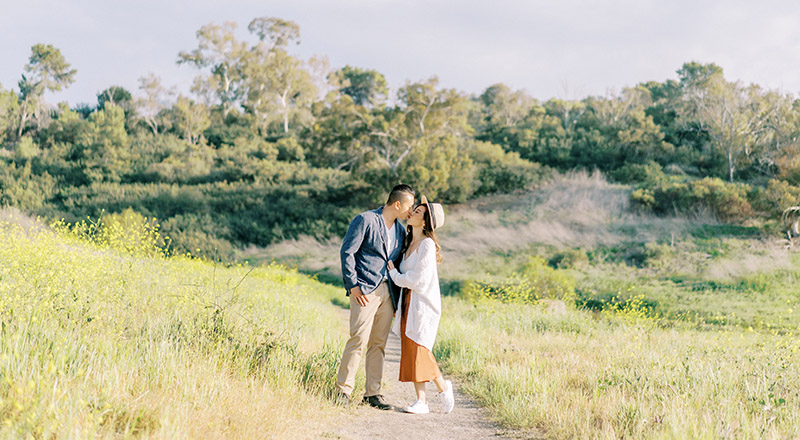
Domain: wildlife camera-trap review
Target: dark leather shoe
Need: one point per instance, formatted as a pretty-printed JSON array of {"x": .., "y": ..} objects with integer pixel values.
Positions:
[
  {"x": 377, "y": 401},
  {"x": 342, "y": 399}
]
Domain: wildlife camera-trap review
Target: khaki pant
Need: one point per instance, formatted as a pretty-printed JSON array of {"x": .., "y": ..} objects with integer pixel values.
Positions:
[{"x": 370, "y": 326}]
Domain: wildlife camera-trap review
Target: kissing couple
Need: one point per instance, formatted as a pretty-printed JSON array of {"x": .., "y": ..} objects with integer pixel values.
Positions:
[{"x": 391, "y": 271}]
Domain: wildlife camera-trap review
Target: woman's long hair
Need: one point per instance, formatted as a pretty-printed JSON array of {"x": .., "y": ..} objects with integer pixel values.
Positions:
[{"x": 427, "y": 231}]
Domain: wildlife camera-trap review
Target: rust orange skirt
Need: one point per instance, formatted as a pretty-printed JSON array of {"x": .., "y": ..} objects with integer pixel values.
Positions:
[{"x": 417, "y": 363}]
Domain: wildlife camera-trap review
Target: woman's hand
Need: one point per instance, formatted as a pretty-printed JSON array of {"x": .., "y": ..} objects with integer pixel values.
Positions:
[{"x": 390, "y": 265}]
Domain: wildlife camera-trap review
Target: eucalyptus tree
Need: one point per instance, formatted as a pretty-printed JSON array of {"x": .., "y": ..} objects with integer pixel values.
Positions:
[
  {"x": 339, "y": 137},
  {"x": 153, "y": 101},
  {"x": 735, "y": 117},
  {"x": 424, "y": 114},
  {"x": 278, "y": 87},
  {"x": 628, "y": 133},
  {"x": 503, "y": 107},
  {"x": 219, "y": 50},
  {"x": 778, "y": 154},
  {"x": 422, "y": 139},
  {"x": 190, "y": 119},
  {"x": 47, "y": 70},
  {"x": 366, "y": 87},
  {"x": 114, "y": 95},
  {"x": 121, "y": 97},
  {"x": 501, "y": 114}
]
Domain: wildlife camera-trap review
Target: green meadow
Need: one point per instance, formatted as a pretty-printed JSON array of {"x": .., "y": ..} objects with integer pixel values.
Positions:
[{"x": 571, "y": 315}]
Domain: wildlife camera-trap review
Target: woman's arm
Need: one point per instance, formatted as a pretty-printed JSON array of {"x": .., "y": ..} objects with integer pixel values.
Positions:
[{"x": 421, "y": 273}]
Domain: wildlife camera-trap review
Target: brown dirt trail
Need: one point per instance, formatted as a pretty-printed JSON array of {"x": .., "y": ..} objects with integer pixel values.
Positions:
[{"x": 467, "y": 421}]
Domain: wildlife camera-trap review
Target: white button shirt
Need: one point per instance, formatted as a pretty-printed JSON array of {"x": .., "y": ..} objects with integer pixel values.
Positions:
[{"x": 390, "y": 239}]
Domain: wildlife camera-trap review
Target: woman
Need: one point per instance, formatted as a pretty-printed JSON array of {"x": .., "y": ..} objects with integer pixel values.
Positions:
[{"x": 421, "y": 306}]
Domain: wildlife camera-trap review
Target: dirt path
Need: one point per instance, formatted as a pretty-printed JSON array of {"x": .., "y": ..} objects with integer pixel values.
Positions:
[{"x": 467, "y": 421}]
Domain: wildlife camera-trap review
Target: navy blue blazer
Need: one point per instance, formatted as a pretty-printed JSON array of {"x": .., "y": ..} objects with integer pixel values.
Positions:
[{"x": 365, "y": 254}]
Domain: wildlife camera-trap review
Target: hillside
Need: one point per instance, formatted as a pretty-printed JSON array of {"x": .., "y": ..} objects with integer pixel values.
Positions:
[
  {"x": 97, "y": 343},
  {"x": 669, "y": 327},
  {"x": 584, "y": 226}
]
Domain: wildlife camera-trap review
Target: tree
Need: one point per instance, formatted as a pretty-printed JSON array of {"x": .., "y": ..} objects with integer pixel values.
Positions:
[
  {"x": 47, "y": 70},
  {"x": 504, "y": 108},
  {"x": 121, "y": 97},
  {"x": 153, "y": 102},
  {"x": 337, "y": 137},
  {"x": 190, "y": 119},
  {"x": 278, "y": 87},
  {"x": 366, "y": 87},
  {"x": 218, "y": 49},
  {"x": 293, "y": 89},
  {"x": 734, "y": 117},
  {"x": 627, "y": 133},
  {"x": 424, "y": 119},
  {"x": 501, "y": 115},
  {"x": 275, "y": 32},
  {"x": 698, "y": 76},
  {"x": 105, "y": 144},
  {"x": 9, "y": 107},
  {"x": 779, "y": 155},
  {"x": 114, "y": 95}
]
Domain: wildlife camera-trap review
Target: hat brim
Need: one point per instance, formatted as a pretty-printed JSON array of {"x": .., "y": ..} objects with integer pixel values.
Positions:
[{"x": 429, "y": 212}]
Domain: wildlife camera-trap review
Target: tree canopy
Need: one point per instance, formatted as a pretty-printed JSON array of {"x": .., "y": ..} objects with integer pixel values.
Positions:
[{"x": 269, "y": 145}]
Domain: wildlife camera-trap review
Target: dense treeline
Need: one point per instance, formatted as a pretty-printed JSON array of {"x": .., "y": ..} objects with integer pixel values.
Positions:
[{"x": 269, "y": 146}]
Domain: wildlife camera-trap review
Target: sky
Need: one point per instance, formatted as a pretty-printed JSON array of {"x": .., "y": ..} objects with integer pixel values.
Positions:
[{"x": 550, "y": 48}]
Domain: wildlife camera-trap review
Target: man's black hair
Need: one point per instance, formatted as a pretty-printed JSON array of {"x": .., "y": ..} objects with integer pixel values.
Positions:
[{"x": 400, "y": 191}]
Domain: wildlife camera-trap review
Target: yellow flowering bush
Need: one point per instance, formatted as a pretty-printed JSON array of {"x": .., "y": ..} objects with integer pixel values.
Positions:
[{"x": 103, "y": 335}]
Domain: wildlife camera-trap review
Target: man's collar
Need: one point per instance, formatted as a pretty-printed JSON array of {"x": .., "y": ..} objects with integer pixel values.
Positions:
[{"x": 380, "y": 212}]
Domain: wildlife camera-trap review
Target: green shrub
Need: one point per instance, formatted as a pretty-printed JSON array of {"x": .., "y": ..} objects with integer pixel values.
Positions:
[
  {"x": 727, "y": 201},
  {"x": 643, "y": 198},
  {"x": 650, "y": 174},
  {"x": 536, "y": 281},
  {"x": 200, "y": 235},
  {"x": 503, "y": 172},
  {"x": 658, "y": 255},
  {"x": 777, "y": 196},
  {"x": 218, "y": 217},
  {"x": 568, "y": 259},
  {"x": 21, "y": 188},
  {"x": 26, "y": 149}
]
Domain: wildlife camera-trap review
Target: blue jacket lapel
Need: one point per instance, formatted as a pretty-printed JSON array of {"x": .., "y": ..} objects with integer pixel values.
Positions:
[{"x": 382, "y": 228}]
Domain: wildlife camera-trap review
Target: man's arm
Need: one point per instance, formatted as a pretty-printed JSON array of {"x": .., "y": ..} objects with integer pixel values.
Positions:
[{"x": 351, "y": 245}]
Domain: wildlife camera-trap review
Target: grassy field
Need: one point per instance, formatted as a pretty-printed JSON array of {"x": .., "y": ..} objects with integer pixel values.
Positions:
[
  {"x": 675, "y": 328},
  {"x": 97, "y": 343},
  {"x": 579, "y": 374},
  {"x": 669, "y": 327}
]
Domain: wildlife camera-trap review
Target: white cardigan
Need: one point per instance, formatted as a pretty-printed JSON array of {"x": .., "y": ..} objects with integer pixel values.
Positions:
[{"x": 420, "y": 274}]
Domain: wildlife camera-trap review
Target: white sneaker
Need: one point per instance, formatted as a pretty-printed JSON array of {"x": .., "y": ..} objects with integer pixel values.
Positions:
[
  {"x": 418, "y": 407},
  {"x": 448, "y": 400}
]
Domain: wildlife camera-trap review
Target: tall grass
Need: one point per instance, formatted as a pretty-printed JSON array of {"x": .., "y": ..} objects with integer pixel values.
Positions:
[
  {"x": 620, "y": 375},
  {"x": 105, "y": 344}
]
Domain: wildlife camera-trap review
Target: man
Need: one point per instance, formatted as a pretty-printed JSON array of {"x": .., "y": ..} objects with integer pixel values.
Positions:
[{"x": 372, "y": 240}]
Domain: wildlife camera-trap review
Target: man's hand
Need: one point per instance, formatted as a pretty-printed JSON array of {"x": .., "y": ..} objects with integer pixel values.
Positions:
[
  {"x": 360, "y": 298},
  {"x": 390, "y": 265}
]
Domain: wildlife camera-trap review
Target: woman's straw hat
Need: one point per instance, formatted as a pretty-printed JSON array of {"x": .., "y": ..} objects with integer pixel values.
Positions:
[{"x": 435, "y": 213}]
